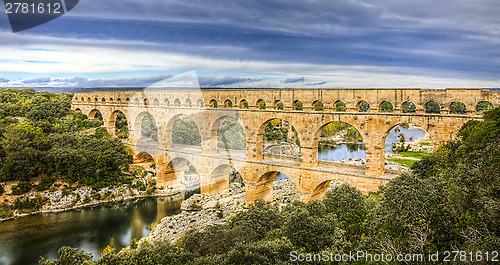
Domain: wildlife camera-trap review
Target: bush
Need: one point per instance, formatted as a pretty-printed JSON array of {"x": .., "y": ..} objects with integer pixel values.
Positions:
[
  {"x": 45, "y": 184},
  {"x": 96, "y": 196},
  {"x": 30, "y": 205},
  {"x": 1, "y": 190},
  {"x": 21, "y": 188}
]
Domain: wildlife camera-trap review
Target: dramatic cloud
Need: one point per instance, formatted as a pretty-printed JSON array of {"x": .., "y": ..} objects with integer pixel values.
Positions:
[
  {"x": 340, "y": 43},
  {"x": 225, "y": 81},
  {"x": 294, "y": 80},
  {"x": 39, "y": 80}
]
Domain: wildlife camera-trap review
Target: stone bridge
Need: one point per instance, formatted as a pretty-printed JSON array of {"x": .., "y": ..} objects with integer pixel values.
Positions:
[{"x": 255, "y": 108}]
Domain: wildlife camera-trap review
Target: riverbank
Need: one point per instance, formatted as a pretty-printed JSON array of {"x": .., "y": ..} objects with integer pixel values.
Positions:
[
  {"x": 201, "y": 211},
  {"x": 84, "y": 197}
]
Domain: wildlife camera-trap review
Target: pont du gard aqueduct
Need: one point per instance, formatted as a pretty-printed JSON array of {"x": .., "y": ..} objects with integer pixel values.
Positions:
[{"x": 253, "y": 109}]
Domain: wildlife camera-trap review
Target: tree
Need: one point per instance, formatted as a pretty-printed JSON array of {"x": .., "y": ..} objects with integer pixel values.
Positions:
[
  {"x": 149, "y": 128},
  {"x": 458, "y": 108},
  {"x": 386, "y": 106},
  {"x": 432, "y": 107},
  {"x": 298, "y": 105},
  {"x": 23, "y": 145},
  {"x": 364, "y": 106},
  {"x": 318, "y": 106},
  {"x": 409, "y": 107},
  {"x": 185, "y": 132}
]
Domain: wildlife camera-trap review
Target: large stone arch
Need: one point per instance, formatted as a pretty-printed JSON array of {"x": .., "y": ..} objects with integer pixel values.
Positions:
[
  {"x": 264, "y": 184},
  {"x": 135, "y": 133},
  {"x": 169, "y": 126},
  {"x": 112, "y": 121},
  {"x": 346, "y": 119},
  {"x": 173, "y": 172},
  {"x": 92, "y": 113},
  {"x": 351, "y": 150},
  {"x": 320, "y": 190},
  {"x": 219, "y": 179},
  {"x": 234, "y": 118}
]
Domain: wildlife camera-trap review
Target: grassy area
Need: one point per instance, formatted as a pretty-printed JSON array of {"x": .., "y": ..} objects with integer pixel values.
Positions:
[
  {"x": 405, "y": 162},
  {"x": 417, "y": 155},
  {"x": 426, "y": 143}
]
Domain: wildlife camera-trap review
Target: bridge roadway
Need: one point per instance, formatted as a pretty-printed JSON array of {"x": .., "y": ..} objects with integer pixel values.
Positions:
[{"x": 310, "y": 176}]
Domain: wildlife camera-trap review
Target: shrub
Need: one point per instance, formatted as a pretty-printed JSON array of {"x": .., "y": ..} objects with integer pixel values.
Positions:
[
  {"x": 96, "y": 196},
  {"x": 45, "y": 184},
  {"x": 21, "y": 188}
]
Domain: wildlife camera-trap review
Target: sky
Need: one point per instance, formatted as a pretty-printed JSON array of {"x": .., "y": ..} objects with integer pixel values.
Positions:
[{"x": 257, "y": 43}]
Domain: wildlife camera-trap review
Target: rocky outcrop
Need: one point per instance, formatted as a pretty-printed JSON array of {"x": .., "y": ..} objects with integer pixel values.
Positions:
[{"x": 200, "y": 211}]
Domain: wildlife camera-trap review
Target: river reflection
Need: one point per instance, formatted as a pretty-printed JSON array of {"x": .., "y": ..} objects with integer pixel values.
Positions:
[
  {"x": 358, "y": 150},
  {"x": 25, "y": 240},
  {"x": 342, "y": 151},
  {"x": 410, "y": 135}
]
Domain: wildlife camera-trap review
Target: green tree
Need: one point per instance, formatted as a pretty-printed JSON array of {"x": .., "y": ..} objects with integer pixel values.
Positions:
[
  {"x": 24, "y": 146},
  {"x": 298, "y": 105},
  {"x": 458, "y": 108},
  {"x": 318, "y": 106},
  {"x": 432, "y": 107},
  {"x": 386, "y": 106},
  {"x": 364, "y": 106},
  {"x": 186, "y": 132},
  {"x": 409, "y": 107},
  {"x": 149, "y": 128}
]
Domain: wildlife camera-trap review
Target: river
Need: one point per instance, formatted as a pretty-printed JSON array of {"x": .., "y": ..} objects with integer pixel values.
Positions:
[
  {"x": 358, "y": 150},
  {"x": 25, "y": 240}
]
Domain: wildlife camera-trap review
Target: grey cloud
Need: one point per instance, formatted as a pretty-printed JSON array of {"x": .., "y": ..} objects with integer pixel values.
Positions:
[
  {"x": 4, "y": 80},
  {"x": 118, "y": 82},
  {"x": 38, "y": 80},
  {"x": 225, "y": 81},
  {"x": 294, "y": 80}
]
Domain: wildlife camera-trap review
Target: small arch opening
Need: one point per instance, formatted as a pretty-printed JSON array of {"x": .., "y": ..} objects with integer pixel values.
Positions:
[
  {"x": 244, "y": 104},
  {"x": 340, "y": 106},
  {"x": 228, "y": 104},
  {"x": 261, "y": 104},
  {"x": 213, "y": 103},
  {"x": 483, "y": 106},
  {"x": 200, "y": 103},
  {"x": 297, "y": 105},
  {"x": 278, "y": 105},
  {"x": 458, "y": 108},
  {"x": 386, "y": 106},
  {"x": 409, "y": 107},
  {"x": 432, "y": 107},
  {"x": 363, "y": 106},
  {"x": 318, "y": 105}
]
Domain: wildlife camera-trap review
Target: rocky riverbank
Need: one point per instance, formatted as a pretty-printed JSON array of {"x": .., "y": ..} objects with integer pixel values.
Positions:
[
  {"x": 201, "y": 211},
  {"x": 71, "y": 199}
]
